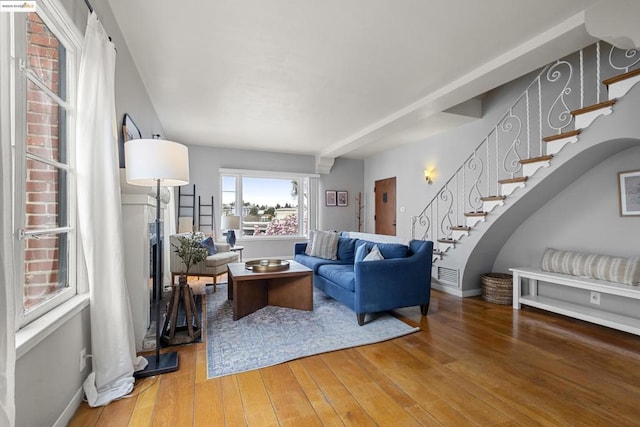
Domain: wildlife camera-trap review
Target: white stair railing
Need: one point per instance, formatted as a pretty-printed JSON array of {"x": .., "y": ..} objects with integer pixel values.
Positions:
[{"x": 515, "y": 149}]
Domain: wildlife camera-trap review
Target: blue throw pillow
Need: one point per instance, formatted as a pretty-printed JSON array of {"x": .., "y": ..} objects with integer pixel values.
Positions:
[
  {"x": 346, "y": 249},
  {"x": 210, "y": 245},
  {"x": 361, "y": 252}
]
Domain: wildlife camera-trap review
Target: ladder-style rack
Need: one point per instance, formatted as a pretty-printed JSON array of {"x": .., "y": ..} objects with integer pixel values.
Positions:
[
  {"x": 206, "y": 212},
  {"x": 186, "y": 205}
]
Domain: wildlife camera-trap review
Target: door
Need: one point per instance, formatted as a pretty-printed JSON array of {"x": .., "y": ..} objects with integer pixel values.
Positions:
[{"x": 385, "y": 216}]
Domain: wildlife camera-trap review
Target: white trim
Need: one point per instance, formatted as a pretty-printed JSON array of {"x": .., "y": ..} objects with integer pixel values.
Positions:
[
  {"x": 61, "y": 25},
  {"x": 312, "y": 202},
  {"x": 266, "y": 174},
  {"x": 35, "y": 332},
  {"x": 70, "y": 410},
  {"x": 54, "y": 11}
]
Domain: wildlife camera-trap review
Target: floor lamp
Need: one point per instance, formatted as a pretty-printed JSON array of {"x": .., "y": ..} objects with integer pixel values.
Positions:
[{"x": 155, "y": 162}]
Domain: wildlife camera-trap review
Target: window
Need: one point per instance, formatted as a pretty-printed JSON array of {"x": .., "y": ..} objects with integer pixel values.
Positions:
[
  {"x": 268, "y": 203},
  {"x": 42, "y": 67}
]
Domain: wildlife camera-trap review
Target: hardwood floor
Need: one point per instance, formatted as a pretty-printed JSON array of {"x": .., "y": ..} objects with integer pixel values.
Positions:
[{"x": 472, "y": 363}]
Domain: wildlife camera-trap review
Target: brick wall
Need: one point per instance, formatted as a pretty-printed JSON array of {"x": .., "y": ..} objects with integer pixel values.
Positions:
[{"x": 42, "y": 181}]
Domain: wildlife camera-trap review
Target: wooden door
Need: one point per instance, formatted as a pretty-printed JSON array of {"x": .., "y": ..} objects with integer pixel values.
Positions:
[{"x": 385, "y": 216}]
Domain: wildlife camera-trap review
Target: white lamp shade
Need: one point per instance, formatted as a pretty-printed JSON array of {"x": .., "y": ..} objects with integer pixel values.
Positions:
[
  {"x": 230, "y": 222},
  {"x": 150, "y": 160}
]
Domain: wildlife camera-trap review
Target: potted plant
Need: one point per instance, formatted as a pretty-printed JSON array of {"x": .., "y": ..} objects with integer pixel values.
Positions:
[{"x": 190, "y": 252}]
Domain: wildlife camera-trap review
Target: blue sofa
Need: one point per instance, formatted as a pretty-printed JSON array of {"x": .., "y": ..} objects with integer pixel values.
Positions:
[{"x": 402, "y": 279}]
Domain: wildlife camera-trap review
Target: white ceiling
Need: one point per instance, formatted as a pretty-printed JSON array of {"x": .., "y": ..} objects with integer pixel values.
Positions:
[{"x": 334, "y": 77}]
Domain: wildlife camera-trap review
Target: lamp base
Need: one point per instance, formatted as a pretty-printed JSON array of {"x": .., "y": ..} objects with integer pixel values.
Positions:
[
  {"x": 166, "y": 362},
  {"x": 231, "y": 238}
]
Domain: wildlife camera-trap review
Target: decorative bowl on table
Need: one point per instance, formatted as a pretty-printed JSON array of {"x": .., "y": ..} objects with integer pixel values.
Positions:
[{"x": 266, "y": 265}]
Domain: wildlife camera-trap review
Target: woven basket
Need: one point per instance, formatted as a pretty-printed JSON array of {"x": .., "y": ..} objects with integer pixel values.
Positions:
[{"x": 497, "y": 288}]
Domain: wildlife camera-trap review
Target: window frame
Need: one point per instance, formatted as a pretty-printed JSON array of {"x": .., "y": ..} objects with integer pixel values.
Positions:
[
  {"x": 312, "y": 207},
  {"x": 58, "y": 22}
]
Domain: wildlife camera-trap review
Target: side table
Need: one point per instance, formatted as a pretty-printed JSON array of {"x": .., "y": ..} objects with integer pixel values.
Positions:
[{"x": 238, "y": 249}]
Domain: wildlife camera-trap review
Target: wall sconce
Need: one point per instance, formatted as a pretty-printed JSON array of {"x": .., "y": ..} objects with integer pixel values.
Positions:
[{"x": 428, "y": 176}]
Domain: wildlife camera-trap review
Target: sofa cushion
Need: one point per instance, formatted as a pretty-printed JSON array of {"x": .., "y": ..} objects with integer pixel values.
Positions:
[
  {"x": 388, "y": 250},
  {"x": 221, "y": 258},
  {"x": 314, "y": 262},
  {"x": 346, "y": 249},
  {"x": 342, "y": 275},
  {"x": 325, "y": 245}
]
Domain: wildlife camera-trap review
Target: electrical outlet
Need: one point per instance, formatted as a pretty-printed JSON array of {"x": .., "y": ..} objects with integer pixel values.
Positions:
[
  {"x": 83, "y": 359},
  {"x": 595, "y": 298}
]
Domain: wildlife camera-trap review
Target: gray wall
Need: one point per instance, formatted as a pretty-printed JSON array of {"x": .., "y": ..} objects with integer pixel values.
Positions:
[
  {"x": 584, "y": 217},
  {"x": 346, "y": 174},
  {"x": 48, "y": 376}
]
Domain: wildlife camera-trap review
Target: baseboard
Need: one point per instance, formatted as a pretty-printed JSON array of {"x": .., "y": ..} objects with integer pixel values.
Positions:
[
  {"x": 472, "y": 293},
  {"x": 457, "y": 292},
  {"x": 70, "y": 410}
]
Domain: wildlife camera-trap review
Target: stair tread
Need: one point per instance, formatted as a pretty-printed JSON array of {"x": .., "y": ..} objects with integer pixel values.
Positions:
[
  {"x": 492, "y": 198},
  {"x": 460, "y": 228},
  {"x": 475, "y": 214},
  {"x": 562, "y": 135},
  {"x": 594, "y": 107},
  {"x": 446, "y": 240},
  {"x": 620, "y": 77},
  {"x": 513, "y": 180},
  {"x": 536, "y": 159}
]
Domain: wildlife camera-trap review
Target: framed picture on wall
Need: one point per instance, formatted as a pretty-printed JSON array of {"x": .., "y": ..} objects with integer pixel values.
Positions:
[
  {"x": 129, "y": 131},
  {"x": 629, "y": 192},
  {"x": 343, "y": 199},
  {"x": 330, "y": 198}
]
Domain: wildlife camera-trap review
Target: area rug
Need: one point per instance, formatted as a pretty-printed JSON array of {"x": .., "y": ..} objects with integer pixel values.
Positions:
[{"x": 274, "y": 335}]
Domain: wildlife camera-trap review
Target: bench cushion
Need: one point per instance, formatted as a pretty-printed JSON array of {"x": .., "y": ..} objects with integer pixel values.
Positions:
[{"x": 602, "y": 267}]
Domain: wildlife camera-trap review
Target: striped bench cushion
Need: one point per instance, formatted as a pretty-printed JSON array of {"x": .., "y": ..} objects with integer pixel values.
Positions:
[{"x": 601, "y": 267}]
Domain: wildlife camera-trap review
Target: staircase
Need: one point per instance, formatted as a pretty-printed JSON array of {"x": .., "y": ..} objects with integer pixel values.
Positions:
[{"x": 537, "y": 135}]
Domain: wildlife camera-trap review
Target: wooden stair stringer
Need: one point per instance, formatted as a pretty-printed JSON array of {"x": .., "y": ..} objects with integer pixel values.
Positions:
[
  {"x": 508, "y": 186},
  {"x": 555, "y": 143},
  {"x": 618, "y": 86},
  {"x": 583, "y": 117},
  {"x": 531, "y": 166}
]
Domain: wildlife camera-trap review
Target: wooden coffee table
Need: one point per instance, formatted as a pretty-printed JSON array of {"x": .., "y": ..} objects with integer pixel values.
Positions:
[{"x": 291, "y": 288}]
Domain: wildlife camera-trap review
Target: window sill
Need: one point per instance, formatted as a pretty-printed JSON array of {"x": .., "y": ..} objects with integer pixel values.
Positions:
[{"x": 35, "y": 332}]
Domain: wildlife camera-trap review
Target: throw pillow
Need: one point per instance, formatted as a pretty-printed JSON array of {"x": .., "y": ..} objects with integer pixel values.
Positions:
[
  {"x": 374, "y": 255},
  {"x": 309, "y": 244},
  {"x": 602, "y": 267},
  {"x": 325, "y": 245},
  {"x": 210, "y": 245},
  {"x": 361, "y": 251}
]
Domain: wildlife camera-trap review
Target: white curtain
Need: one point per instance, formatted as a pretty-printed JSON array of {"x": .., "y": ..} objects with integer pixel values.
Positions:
[
  {"x": 7, "y": 308},
  {"x": 100, "y": 222}
]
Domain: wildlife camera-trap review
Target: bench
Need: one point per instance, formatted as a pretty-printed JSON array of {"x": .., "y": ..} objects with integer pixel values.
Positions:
[{"x": 589, "y": 314}]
